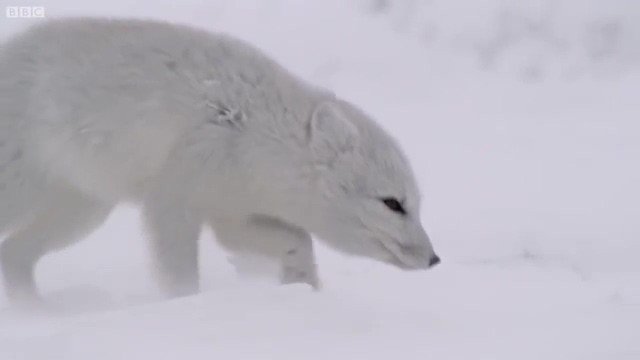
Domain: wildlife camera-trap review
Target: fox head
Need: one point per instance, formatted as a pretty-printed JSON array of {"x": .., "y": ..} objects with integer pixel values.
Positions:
[{"x": 365, "y": 200}]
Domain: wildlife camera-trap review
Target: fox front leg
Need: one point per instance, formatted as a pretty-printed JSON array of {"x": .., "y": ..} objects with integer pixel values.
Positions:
[{"x": 266, "y": 236}]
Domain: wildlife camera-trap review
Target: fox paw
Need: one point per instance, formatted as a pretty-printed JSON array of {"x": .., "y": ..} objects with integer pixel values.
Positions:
[{"x": 292, "y": 275}]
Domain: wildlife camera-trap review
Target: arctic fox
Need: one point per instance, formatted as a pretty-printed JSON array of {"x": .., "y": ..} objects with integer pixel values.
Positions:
[{"x": 199, "y": 129}]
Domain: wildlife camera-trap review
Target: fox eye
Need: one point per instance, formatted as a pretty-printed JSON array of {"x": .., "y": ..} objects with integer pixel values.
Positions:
[{"x": 394, "y": 205}]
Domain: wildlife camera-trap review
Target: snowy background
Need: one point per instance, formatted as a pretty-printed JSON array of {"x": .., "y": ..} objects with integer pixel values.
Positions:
[{"x": 522, "y": 121}]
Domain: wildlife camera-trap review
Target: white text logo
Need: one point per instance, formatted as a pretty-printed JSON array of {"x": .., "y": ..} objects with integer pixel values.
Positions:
[{"x": 24, "y": 12}]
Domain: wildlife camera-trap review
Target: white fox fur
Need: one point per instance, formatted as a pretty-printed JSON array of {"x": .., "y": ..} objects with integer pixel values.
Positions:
[{"x": 198, "y": 128}]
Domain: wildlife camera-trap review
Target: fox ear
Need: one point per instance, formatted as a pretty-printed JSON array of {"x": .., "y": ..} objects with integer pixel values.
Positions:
[{"x": 331, "y": 133}]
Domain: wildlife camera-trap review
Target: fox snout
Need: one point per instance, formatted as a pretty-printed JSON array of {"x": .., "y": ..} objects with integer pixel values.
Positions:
[
  {"x": 424, "y": 262},
  {"x": 416, "y": 258},
  {"x": 435, "y": 260},
  {"x": 418, "y": 255}
]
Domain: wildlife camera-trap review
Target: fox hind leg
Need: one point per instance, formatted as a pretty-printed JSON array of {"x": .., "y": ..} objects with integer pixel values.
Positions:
[{"x": 67, "y": 216}]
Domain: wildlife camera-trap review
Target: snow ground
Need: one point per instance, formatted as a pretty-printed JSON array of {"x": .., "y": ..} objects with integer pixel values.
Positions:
[{"x": 530, "y": 195}]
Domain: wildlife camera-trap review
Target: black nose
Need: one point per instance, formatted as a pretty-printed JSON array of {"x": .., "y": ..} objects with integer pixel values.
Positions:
[{"x": 435, "y": 260}]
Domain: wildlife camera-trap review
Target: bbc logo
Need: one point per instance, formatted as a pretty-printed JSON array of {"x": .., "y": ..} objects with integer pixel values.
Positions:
[{"x": 25, "y": 12}]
